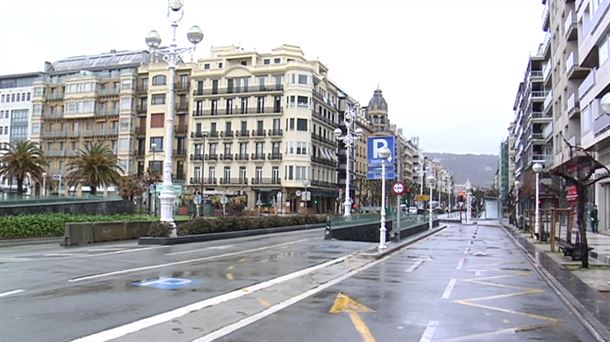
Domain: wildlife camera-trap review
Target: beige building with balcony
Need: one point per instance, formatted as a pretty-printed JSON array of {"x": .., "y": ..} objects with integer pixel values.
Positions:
[
  {"x": 262, "y": 127},
  {"x": 87, "y": 99}
]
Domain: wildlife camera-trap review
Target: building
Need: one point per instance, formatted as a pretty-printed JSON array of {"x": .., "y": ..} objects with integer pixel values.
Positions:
[
  {"x": 87, "y": 99},
  {"x": 16, "y": 109},
  {"x": 502, "y": 174},
  {"x": 269, "y": 119}
]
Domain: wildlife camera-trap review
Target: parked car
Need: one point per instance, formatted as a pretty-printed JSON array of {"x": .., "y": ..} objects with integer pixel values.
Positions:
[{"x": 412, "y": 210}]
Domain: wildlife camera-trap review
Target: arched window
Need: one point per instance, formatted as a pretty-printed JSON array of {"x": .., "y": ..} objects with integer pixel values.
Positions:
[{"x": 158, "y": 80}]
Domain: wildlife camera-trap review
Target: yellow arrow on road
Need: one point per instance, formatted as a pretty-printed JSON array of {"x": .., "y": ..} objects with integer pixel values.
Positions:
[{"x": 349, "y": 305}]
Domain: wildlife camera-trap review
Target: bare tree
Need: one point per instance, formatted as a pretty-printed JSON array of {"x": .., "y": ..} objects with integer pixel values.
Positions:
[{"x": 580, "y": 172}]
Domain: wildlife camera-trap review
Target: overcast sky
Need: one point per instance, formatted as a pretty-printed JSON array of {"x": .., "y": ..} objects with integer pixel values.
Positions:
[{"x": 449, "y": 69}]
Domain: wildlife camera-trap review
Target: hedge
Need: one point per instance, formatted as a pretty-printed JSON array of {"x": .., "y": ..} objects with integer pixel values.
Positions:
[
  {"x": 50, "y": 225},
  {"x": 234, "y": 223}
]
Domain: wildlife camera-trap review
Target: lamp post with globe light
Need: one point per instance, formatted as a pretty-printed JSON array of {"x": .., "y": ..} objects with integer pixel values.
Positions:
[
  {"x": 537, "y": 168},
  {"x": 349, "y": 139},
  {"x": 517, "y": 184},
  {"x": 172, "y": 55},
  {"x": 384, "y": 153}
]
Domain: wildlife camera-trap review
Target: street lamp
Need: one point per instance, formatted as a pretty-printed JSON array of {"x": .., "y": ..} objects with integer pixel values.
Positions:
[
  {"x": 349, "y": 139},
  {"x": 468, "y": 202},
  {"x": 517, "y": 184},
  {"x": 604, "y": 103},
  {"x": 384, "y": 153},
  {"x": 172, "y": 55},
  {"x": 537, "y": 168},
  {"x": 430, "y": 180},
  {"x": 204, "y": 134}
]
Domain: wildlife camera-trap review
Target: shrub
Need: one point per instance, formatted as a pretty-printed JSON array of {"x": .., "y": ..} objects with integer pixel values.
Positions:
[
  {"x": 160, "y": 229},
  {"x": 49, "y": 225}
]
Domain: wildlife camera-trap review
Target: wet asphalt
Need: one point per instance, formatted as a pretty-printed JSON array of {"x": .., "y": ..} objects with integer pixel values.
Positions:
[{"x": 496, "y": 296}]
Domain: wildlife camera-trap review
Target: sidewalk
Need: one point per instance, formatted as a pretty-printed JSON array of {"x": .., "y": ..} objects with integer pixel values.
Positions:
[{"x": 587, "y": 291}]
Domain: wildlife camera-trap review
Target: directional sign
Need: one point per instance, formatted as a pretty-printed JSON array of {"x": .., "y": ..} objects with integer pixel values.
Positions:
[
  {"x": 398, "y": 188},
  {"x": 166, "y": 283},
  {"x": 375, "y": 144}
]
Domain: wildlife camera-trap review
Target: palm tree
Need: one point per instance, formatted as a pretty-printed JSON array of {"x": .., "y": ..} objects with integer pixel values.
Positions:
[
  {"x": 94, "y": 165},
  {"x": 20, "y": 160},
  {"x": 129, "y": 187}
]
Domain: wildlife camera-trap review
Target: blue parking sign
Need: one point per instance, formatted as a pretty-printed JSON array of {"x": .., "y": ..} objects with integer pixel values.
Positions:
[{"x": 375, "y": 144}]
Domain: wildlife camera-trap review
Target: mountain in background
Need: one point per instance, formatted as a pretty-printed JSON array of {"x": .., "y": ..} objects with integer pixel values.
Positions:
[{"x": 479, "y": 168}]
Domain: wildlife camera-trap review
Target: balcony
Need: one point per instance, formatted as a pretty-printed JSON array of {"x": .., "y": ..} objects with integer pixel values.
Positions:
[
  {"x": 274, "y": 156},
  {"x": 55, "y": 96},
  {"x": 545, "y": 18},
  {"x": 546, "y": 71},
  {"x": 322, "y": 184},
  {"x": 53, "y": 115},
  {"x": 206, "y": 181},
  {"x": 548, "y": 131},
  {"x": 323, "y": 161},
  {"x": 275, "y": 132},
  {"x": 214, "y": 134},
  {"x": 228, "y": 134},
  {"x": 258, "y": 133},
  {"x": 108, "y": 92},
  {"x": 61, "y": 153},
  {"x": 548, "y": 100},
  {"x": 323, "y": 119},
  {"x": 102, "y": 112},
  {"x": 536, "y": 75},
  {"x": 142, "y": 109},
  {"x": 545, "y": 48},
  {"x": 266, "y": 181},
  {"x": 226, "y": 156},
  {"x": 539, "y": 158},
  {"x": 182, "y": 87},
  {"x": 601, "y": 124},
  {"x": 198, "y": 135},
  {"x": 246, "y": 111},
  {"x": 182, "y": 107},
  {"x": 573, "y": 70},
  {"x": 240, "y": 90},
  {"x": 212, "y": 156},
  {"x": 573, "y": 106},
  {"x": 541, "y": 117},
  {"x": 320, "y": 138},
  {"x": 570, "y": 27},
  {"x": 539, "y": 94},
  {"x": 233, "y": 181},
  {"x": 180, "y": 152},
  {"x": 180, "y": 129},
  {"x": 258, "y": 156},
  {"x": 142, "y": 88},
  {"x": 239, "y": 156},
  {"x": 586, "y": 84},
  {"x": 242, "y": 133},
  {"x": 196, "y": 156},
  {"x": 105, "y": 132}
]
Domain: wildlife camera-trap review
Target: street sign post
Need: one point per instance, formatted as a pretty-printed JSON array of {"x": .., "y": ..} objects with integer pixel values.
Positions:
[
  {"x": 375, "y": 144},
  {"x": 398, "y": 188}
]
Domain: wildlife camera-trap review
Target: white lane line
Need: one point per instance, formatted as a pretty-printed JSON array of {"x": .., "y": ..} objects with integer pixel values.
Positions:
[
  {"x": 62, "y": 254},
  {"x": 270, "y": 311},
  {"x": 144, "y": 268},
  {"x": 415, "y": 265},
  {"x": 449, "y": 288},
  {"x": 179, "y": 312},
  {"x": 467, "y": 250},
  {"x": 460, "y": 264},
  {"x": 429, "y": 331},
  {"x": 4, "y": 294},
  {"x": 127, "y": 251},
  {"x": 200, "y": 249}
]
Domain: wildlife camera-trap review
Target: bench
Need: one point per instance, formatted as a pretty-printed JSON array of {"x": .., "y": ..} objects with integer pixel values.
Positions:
[{"x": 571, "y": 250}]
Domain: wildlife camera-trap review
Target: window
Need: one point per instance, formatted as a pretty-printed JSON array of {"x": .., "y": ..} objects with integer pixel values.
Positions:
[
  {"x": 275, "y": 174},
  {"x": 157, "y": 120},
  {"x": 303, "y": 79},
  {"x": 244, "y": 127},
  {"x": 604, "y": 50},
  {"x": 18, "y": 97},
  {"x": 227, "y": 149},
  {"x": 158, "y": 80},
  {"x": 259, "y": 148},
  {"x": 220, "y": 65},
  {"x": 244, "y": 63},
  {"x": 28, "y": 96},
  {"x": 260, "y": 126},
  {"x": 229, "y": 106},
  {"x": 243, "y": 149},
  {"x": 2, "y": 98},
  {"x": 303, "y": 101},
  {"x": 276, "y": 61},
  {"x": 158, "y": 99},
  {"x": 213, "y": 148},
  {"x": 260, "y": 104},
  {"x": 290, "y": 172},
  {"x": 301, "y": 173},
  {"x": 228, "y": 127},
  {"x": 227, "y": 173},
  {"x": 206, "y": 66},
  {"x": 244, "y": 105},
  {"x": 214, "y": 109},
  {"x": 301, "y": 124},
  {"x": 242, "y": 174},
  {"x": 277, "y": 104},
  {"x": 155, "y": 166},
  {"x": 258, "y": 173},
  {"x": 158, "y": 144},
  {"x": 212, "y": 172}
]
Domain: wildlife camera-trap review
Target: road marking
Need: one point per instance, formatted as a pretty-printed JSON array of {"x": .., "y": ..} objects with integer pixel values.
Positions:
[
  {"x": 449, "y": 289},
  {"x": 179, "y": 312},
  {"x": 145, "y": 268},
  {"x": 76, "y": 255},
  {"x": 200, "y": 249},
  {"x": 460, "y": 264},
  {"x": 229, "y": 276},
  {"x": 249, "y": 320},
  {"x": 345, "y": 304},
  {"x": 63, "y": 254},
  {"x": 415, "y": 265},
  {"x": 429, "y": 331},
  {"x": 4, "y": 294}
]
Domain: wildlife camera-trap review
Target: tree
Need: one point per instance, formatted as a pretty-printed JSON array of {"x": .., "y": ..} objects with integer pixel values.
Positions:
[
  {"x": 94, "y": 165},
  {"x": 129, "y": 187},
  {"x": 579, "y": 172},
  {"x": 21, "y": 160}
]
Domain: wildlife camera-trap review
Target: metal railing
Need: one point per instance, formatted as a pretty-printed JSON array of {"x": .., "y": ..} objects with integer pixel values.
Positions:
[
  {"x": 266, "y": 181},
  {"x": 238, "y": 90}
]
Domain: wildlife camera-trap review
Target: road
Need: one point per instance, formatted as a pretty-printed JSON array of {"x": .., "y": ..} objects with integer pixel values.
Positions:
[{"x": 464, "y": 283}]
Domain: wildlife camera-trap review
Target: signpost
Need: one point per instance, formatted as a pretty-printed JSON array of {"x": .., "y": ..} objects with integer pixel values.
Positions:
[
  {"x": 375, "y": 144},
  {"x": 398, "y": 189}
]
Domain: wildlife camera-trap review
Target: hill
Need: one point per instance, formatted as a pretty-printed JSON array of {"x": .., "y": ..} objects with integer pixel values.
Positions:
[{"x": 479, "y": 168}]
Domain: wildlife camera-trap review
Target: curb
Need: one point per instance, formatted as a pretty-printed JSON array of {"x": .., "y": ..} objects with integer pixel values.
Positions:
[
  {"x": 225, "y": 235},
  {"x": 30, "y": 241},
  {"x": 595, "y": 327},
  {"x": 375, "y": 253}
]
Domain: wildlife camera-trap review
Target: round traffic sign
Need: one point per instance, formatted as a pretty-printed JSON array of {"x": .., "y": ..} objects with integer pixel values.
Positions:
[{"x": 398, "y": 188}]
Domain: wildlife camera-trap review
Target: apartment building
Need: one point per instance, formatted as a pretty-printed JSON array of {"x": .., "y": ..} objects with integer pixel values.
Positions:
[
  {"x": 15, "y": 109},
  {"x": 361, "y": 155},
  {"x": 262, "y": 126},
  {"x": 86, "y": 99}
]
